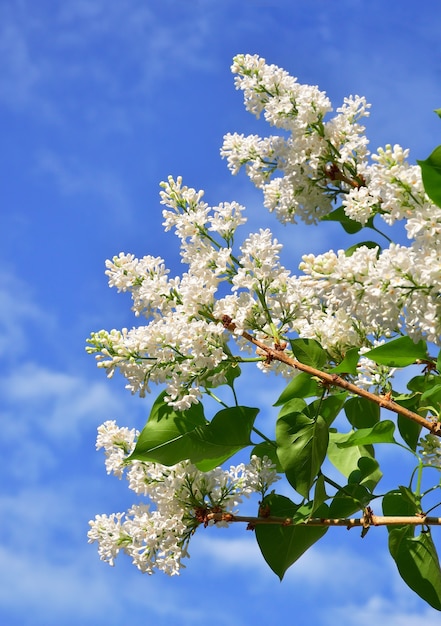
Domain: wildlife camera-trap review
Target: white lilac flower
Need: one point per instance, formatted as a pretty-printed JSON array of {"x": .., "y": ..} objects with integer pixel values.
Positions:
[
  {"x": 108, "y": 532},
  {"x": 360, "y": 204},
  {"x": 226, "y": 218},
  {"x": 155, "y": 534},
  {"x": 259, "y": 265},
  {"x": 346, "y": 133},
  {"x": 118, "y": 443},
  {"x": 175, "y": 350},
  {"x": 342, "y": 301},
  {"x": 158, "y": 542},
  {"x": 147, "y": 281},
  {"x": 260, "y": 474},
  {"x": 430, "y": 449},
  {"x": 271, "y": 89},
  {"x": 302, "y": 156},
  {"x": 373, "y": 375},
  {"x": 261, "y": 157}
]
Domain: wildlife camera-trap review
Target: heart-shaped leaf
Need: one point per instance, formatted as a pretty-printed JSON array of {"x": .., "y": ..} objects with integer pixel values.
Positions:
[{"x": 282, "y": 545}]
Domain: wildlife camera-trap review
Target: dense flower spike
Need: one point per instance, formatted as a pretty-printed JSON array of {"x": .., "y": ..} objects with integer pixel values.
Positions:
[
  {"x": 156, "y": 535},
  {"x": 347, "y": 320},
  {"x": 341, "y": 301},
  {"x": 314, "y": 153}
]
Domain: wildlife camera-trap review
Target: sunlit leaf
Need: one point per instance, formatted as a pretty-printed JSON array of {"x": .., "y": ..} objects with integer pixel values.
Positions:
[
  {"x": 339, "y": 215},
  {"x": 431, "y": 174},
  {"x": 361, "y": 412},
  {"x": 328, "y": 407},
  {"x": 383, "y": 432},
  {"x": 302, "y": 444},
  {"x": 280, "y": 545},
  {"x": 349, "y": 363},
  {"x": 171, "y": 436},
  {"x": 301, "y": 386},
  {"x": 309, "y": 352},
  {"x": 357, "y": 463},
  {"x": 349, "y": 500},
  {"x": 416, "y": 557},
  {"x": 398, "y": 352}
]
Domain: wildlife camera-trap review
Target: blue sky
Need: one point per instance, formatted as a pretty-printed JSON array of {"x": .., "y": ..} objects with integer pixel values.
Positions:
[{"x": 99, "y": 102}]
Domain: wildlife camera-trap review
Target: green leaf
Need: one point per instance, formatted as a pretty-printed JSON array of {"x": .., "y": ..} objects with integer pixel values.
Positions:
[
  {"x": 368, "y": 244},
  {"x": 233, "y": 372},
  {"x": 349, "y": 363},
  {"x": 438, "y": 112},
  {"x": 349, "y": 500},
  {"x": 162, "y": 436},
  {"x": 328, "y": 407},
  {"x": 368, "y": 473},
  {"x": 410, "y": 401},
  {"x": 398, "y": 352},
  {"x": 432, "y": 397},
  {"x": 409, "y": 430},
  {"x": 228, "y": 432},
  {"x": 302, "y": 445},
  {"x": 418, "y": 563},
  {"x": 416, "y": 557},
  {"x": 431, "y": 174},
  {"x": 171, "y": 436},
  {"x": 426, "y": 394},
  {"x": 320, "y": 495},
  {"x": 383, "y": 432},
  {"x": 420, "y": 384},
  {"x": 338, "y": 215},
  {"x": 361, "y": 412},
  {"x": 280, "y": 545},
  {"x": 295, "y": 405},
  {"x": 401, "y": 501},
  {"x": 346, "y": 460},
  {"x": 309, "y": 352},
  {"x": 301, "y": 386}
]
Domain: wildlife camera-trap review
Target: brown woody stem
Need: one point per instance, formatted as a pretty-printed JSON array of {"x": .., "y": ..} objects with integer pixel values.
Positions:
[
  {"x": 434, "y": 426},
  {"x": 367, "y": 520}
]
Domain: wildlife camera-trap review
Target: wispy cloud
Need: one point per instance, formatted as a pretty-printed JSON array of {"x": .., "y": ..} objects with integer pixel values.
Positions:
[
  {"x": 53, "y": 591},
  {"x": 20, "y": 72},
  {"x": 51, "y": 57},
  {"x": 59, "y": 402},
  {"x": 381, "y": 610},
  {"x": 45, "y": 410},
  {"x": 75, "y": 178},
  {"x": 19, "y": 313}
]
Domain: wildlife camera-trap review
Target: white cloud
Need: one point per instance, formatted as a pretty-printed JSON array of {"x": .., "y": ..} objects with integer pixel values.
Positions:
[
  {"x": 320, "y": 565},
  {"x": 229, "y": 553},
  {"x": 45, "y": 409},
  {"x": 73, "y": 177},
  {"x": 75, "y": 592},
  {"x": 18, "y": 314},
  {"x": 49, "y": 571},
  {"x": 44, "y": 50},
  {"x": 381, "y": 610},
  {"x": 57, "y": 403},
  {"x": 356, "y": 589},
  {"x": 20, "y": 73}
]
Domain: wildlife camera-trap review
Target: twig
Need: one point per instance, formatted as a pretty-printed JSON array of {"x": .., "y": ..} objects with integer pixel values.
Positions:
[
  {"x": 369, "y": 519},
  {"x": 434, "y": 426}
]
